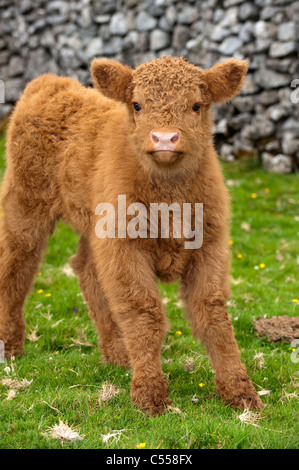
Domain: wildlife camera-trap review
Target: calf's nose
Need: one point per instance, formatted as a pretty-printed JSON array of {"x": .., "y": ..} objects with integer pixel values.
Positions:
[{"x": 164, "y": 140}]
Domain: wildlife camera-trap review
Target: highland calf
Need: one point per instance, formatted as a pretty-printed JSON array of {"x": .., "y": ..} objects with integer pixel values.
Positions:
[{"x": 145, "y": 134}]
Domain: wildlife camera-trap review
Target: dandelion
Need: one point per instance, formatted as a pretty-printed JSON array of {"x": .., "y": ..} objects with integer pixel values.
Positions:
[
  {"x": 39, "y": 274},
  {"x": 295, "y": 301},
  {"x": 48, "y": 295},
  {"x": 231, "y": 242},
  {"x": 40, "y": 291},
  {"x": 178, "y": 333},
  {"x": 262, "y": 265},
  {"x": 253, "y": 195},
  {"x": 239, "y": 256},
  {"x": 266, "y": 190},
  {"x": 141, "y": 445},
  {"x": 201, "y": 385}
]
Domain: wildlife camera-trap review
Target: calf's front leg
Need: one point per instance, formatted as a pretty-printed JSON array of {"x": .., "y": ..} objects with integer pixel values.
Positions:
[
  {"x": 205, "y": 289},
  {"x": 130, "y": 287}
]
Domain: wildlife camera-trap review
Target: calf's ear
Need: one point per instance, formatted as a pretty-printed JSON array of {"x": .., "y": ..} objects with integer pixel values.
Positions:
[
  {"x": 112, "y": 78},
  {"x": 225, "y": 80}
]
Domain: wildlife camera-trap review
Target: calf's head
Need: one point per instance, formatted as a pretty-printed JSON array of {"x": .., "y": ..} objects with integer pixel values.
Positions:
[{"x": 168, "y": 101}]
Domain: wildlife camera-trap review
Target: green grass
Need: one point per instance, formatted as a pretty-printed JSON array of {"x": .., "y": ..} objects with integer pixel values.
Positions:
[{"x": 67, "y": 376}]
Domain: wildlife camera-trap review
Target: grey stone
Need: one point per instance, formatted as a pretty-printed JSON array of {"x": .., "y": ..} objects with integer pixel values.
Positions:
[
  {"x": 68, "y": 58},
  {"x": 287, "y": 31},
  {"x": 226, "y": 153},
  {"x": 94, "y": 48},
  {"x": 218, "y": 15},
  {"x": 47, "y": 39},
  {"x": 165, "y": 24},
  {"x": 5, "y": 109},
  {"x": 188, "y": 15},
  {"x": 291, "y": 125},
  {"x": 260, "y": 128},
  {"x": 108, "y": 6},
  {"x": 262, "y": 45},
  {"x": 13, "y": 89},
  {"x": 281, "y": 49},
  {"x": 244, "y": 103},
  {"x": 238, "y": 121},
  {"x": 273, "y": 146},
  {"x": 289, "y": 144},
  {"x": 268, "y": 97},
  {"x": 229, "y": 3},
  {"x": 171, "y": 15},
  {"x": 246, "y": 32},
  {"x": 270, "y": 79},
  {"x": 16, "y": 66},
  {"x": 280, "y": 65},
  {"x": 268, "y": 12},
  {"x": 145, "y": 22},
  {"x": 249, "y": 86},
  {"x": 159, "y": 40},
  {"x": 230, "y": 18},
  {"x": 102, "y": 19},
  {"x": 248, "y": 11},
  {"x": 113, "y": 47},
  {"x": 58, "y": 6},
  {"x": 276, "y": 112},
  {"x": 219, "y": 33},
  {"x": 221, "y": 127},
  {"x": 118, "y": 24},
  {"x": 194, "y": 44},
  {"x": 264, "y": 30},
  {"x": 279, "y": 164},
  {"x": 181, "y": 35},
  {"x": 4, "y": 57},
  {"x": 243, "y": 147},
  {"x": 230, "y": 45}
]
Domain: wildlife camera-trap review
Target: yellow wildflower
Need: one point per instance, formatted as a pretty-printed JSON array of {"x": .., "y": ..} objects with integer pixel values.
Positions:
[
  {"x": 254, "y": 195},
  {"x": 262, "y": 265},
  {"x": 178, "y": 332},
  {"x": 48, "y": 295},
  {"x": 295, "y": 301},
  {"x": 239, "y": 256},
  {"x": 266, "y": 190},
  {"x": 231, "y": 242},
  {"x": 201, "y": 385},
  {"x": 141, "y": 445},
  {"x": 40, "y": 291}
]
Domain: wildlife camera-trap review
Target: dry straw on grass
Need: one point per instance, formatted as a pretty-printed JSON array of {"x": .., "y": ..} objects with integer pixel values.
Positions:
[
  {"x": 107, "y": 392},
  {"x": 64, "y": 432}
]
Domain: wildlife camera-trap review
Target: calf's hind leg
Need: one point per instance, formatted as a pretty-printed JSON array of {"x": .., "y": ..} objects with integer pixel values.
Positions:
[
  {"x": 23, "y": 237},
  {"x": 111, "y": 342}
]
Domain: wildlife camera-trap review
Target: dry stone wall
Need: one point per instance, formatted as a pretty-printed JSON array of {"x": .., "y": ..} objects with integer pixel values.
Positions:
[{"x": 63, "y": 36}]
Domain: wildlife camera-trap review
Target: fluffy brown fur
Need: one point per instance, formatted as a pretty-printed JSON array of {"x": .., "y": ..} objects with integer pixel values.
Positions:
[{"x": 70, "y": 148}]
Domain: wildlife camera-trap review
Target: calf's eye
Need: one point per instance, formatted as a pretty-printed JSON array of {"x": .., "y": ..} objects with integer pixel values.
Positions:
[
  {"x": 196, "y": 107},
  {"x": 137, "y": 107}
]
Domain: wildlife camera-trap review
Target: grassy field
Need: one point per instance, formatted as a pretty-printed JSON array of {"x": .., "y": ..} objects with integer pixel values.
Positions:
[{"x": 60, "y": 376}]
